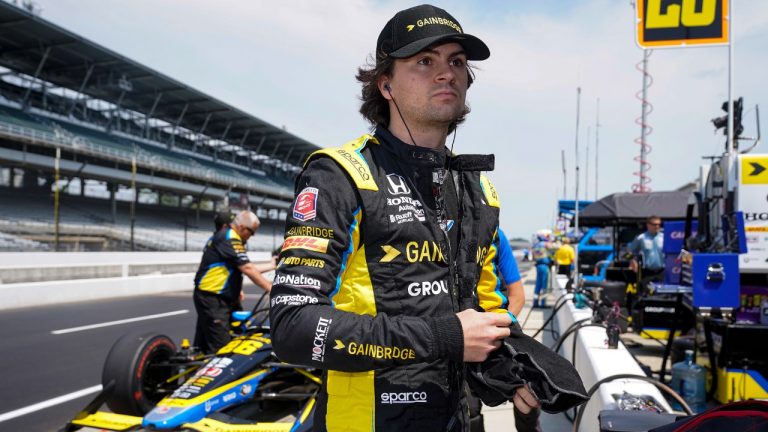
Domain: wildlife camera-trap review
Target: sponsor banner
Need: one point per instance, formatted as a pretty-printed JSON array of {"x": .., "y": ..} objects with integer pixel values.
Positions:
[
  {"x": 297, "y": 281},
  {"x": 305, "y": 208},
  {"x": 674, "y": 232},
  {"x": 752, "y": 200},
  {"x": 754, "y": 169},
  {"x": 306, "y": 242}
]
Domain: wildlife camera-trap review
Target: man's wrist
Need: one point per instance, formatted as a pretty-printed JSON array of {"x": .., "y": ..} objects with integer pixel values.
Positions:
[{"x": 448, "y": 337}]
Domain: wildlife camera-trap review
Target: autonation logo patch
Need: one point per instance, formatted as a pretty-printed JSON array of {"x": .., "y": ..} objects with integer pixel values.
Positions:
[
  {"x": 404, "y": 397},
  {"x": 299, "y": 281}
]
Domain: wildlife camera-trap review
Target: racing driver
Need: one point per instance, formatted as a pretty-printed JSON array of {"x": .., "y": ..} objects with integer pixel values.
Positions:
[{"x": 391, "y": 244}]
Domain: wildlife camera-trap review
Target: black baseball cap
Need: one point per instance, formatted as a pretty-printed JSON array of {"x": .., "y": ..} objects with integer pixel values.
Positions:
[
  {"x": 222, "y": 217},
  {"x": 412, "y": 30}
]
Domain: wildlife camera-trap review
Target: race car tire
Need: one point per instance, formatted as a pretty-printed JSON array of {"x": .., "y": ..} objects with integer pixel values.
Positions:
[{"x": 129, "y": 364}]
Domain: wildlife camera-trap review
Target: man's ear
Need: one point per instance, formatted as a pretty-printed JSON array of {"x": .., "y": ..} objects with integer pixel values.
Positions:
[{"x": 385, "y": 87}]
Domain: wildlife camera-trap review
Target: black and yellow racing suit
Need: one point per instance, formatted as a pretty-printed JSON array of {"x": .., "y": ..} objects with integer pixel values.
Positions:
[
  {"x": 367, "y": 286},
  {"x": 218, "y": 284}
]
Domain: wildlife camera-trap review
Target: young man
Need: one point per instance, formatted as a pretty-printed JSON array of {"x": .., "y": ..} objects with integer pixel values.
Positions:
[
  {"x": 390, "y": 246},
  {"x": 511, "y": 276},
  {"x": 650, "y": 247},
  {"x": 542, "y": 257},
  {"x": 219, "y": 281}
]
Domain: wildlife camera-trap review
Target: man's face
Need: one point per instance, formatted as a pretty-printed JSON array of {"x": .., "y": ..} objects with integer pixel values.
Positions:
[
  {"x": 246, "y": 232},
  {"x": 430, "y": 88},
  {"x": 653, "y": 226}
]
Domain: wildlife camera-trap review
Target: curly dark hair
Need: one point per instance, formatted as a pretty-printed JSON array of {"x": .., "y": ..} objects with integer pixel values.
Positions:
[{"x": 375, "y": 107}]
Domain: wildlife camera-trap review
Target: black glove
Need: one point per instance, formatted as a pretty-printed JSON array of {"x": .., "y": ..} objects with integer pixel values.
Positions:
[{"x": 522, "y": 360}]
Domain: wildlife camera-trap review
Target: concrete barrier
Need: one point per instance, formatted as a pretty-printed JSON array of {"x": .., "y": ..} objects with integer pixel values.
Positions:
[
  {"x": 594, "y": 361},
  {"x": 12, "y": 275},
  {"x": 61, "y": 277},
  {"x": 48, "y": 293}
]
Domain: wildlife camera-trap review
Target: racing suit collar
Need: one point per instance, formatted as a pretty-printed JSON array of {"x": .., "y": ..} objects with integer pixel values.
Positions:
[
  {"x": 429, "y": 158},
  {"x": 414, "y": 155}
]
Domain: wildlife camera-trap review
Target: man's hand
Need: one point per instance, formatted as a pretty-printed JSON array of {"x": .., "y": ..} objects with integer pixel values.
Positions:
[
  {"x": 483, "y": 333},
  {"x": 633, "y": 265},
  {"x": 255, "y": 276},
  {"x": 524, "y": 400}
]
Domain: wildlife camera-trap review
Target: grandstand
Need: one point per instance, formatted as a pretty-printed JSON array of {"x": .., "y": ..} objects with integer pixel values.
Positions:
[{"x": 141, "y": 160}]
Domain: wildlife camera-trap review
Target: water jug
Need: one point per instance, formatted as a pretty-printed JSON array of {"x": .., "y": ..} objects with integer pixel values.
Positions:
[{"x": 689, "y": 381}]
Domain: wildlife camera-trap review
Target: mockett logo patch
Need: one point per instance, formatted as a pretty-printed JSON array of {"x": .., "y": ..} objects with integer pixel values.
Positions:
[{"x": 305, "y": 208}]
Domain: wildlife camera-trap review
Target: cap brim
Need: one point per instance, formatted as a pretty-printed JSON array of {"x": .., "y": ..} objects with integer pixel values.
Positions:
[{"x": 475, "y": 49}]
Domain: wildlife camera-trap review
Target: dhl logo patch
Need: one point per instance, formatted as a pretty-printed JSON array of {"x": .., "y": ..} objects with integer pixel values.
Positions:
[{"x": 306, "y": 242}]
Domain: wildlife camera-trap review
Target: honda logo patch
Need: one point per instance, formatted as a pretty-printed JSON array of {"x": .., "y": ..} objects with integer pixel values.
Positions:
[
  {"x": 397, "y": 185},
  {"x": 305, "y": 208}
]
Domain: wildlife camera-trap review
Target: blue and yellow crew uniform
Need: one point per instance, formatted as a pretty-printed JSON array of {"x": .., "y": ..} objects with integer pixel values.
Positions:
[
  {"x": 218, "y": 284},
  {"x": 541, "y": 257},
  {"x": 383, "y": 247}
]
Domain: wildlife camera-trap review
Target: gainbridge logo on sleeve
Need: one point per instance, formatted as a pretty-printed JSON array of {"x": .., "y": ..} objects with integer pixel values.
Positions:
[
  {"x": 306, "y": 242},
  {"x": 376, "y": 351}
]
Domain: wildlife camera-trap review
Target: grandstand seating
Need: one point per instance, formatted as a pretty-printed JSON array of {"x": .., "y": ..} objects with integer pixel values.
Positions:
[
  {"x": 12, "y": 243},
  {"x": 156, "y": 227},
  {"x": 112, "y": 143}
]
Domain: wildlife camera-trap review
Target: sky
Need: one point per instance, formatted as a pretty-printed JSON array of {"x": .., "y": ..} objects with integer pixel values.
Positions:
[{"x": 292, "y": 63}]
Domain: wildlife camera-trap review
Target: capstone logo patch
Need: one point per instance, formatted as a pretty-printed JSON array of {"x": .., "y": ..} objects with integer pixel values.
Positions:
[
  {"x": 318, "y": 344},
  {"x": 293, "y": 300},
  {"x": 403, "y": 397},
  {"x": 298, "y": 281}
]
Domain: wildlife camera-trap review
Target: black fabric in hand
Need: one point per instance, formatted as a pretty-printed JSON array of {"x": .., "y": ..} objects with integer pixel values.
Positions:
[{"x": 522, "y": 360}]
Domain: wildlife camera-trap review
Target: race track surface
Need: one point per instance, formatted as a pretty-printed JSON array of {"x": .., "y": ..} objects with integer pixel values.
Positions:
[{"x": 38, "y": 365}]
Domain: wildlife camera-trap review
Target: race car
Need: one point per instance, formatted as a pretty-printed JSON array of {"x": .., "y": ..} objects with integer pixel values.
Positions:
[{"x": 149, "y": 383}]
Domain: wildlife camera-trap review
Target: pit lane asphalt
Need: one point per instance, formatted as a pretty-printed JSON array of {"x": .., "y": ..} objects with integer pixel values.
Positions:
[{"x": 36, "y": 365}]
